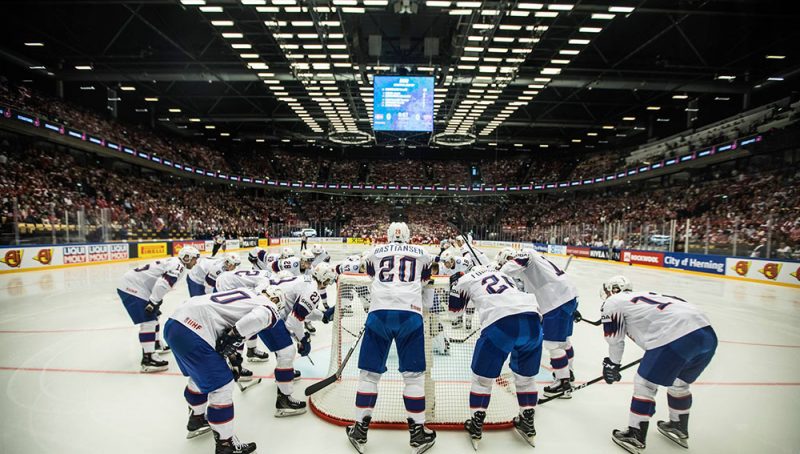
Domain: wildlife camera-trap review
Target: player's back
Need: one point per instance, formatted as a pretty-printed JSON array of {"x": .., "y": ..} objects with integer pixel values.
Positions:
[
  {"x": 650, "y": 319},
  {"x": 351, "y": 264},
  {"x": 546, "y": 280},
  {"x": 140, "y": 281},
  {"x": 201, "y": 268},
  {"x": 494, "y": 295},
  {"x": 398, "y": 272},
  {"x": 211, "y": 315},
  {"x": 230, "y": 280},
  {"x": 294, "y": 288},
  {"x": 290, "y": 264}
]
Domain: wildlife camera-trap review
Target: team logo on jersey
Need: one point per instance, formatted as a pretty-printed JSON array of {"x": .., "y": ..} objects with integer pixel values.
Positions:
[
  {"x": 45, "y": 256},
  {"x": 742, "y": 267},
  {"x": 13, "y": 258},
  {"x": 771, "y": 270},
  {"x": 796, "y": 274}
]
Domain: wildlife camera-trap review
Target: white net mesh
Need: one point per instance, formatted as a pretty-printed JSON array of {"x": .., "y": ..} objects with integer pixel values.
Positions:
[{"x": 448, "y": 357}]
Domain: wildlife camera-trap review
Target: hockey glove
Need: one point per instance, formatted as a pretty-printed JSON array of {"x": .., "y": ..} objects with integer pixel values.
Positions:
[
  {"x": 229, "y": 343},
  {"x": 454, "y": 278},
  {"x": 236, "y": 365},
  {"x": 304, "y": 347},
  {"x": 577, "y": 317},
  {"x": 327, "y": 316},
  {"x": 611, "y": 371},
  {"x": 153, "y": 307}
]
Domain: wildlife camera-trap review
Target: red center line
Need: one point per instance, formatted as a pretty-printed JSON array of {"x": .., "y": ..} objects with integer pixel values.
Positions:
[
  {"x": 68, "y": 330},
  {"x": 176, "y": 374}
]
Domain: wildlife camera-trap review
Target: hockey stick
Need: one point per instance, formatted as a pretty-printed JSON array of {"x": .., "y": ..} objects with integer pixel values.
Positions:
[
  {"x": 593, "y": 322},
  {"x": 242, "y": 388},
  {"x": 309, "y": 353},
  {"x": 332, "y": 379},
  {"x": 466, "y": 241},
  {"x": 590, "y": 382}
]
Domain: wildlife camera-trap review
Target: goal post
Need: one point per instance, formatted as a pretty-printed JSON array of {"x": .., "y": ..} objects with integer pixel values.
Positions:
[{"x": 448, "y": 355}]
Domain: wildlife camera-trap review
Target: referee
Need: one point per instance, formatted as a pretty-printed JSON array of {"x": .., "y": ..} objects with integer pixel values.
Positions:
[{"x": 219, "y": 242}]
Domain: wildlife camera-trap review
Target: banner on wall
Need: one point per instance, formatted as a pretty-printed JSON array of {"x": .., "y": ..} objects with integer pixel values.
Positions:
[
  {"x": 695, "y": 262},
  {"x": 178, "y": 245},
  {"x": 231, "y": 244},
  {"x": 118, "y": 251},
  {"x": 642, "y": 257},
  {"x": 556, "y": 249},
  {"x": 289, "y": 240},
  {"x": 540, "y": 247},
  {"x": 75, "y": 254},
  {"x": 248, "y": 242},
  {"x": 30, "y": 257},
  {"x": 151, "y": 250},
  {"x": 274, "y": 241},
  {"x": 359, "y": 241},
  {"x": 764, "y": 270},
  {"x": 209, "y": 245},
  {"x": 599, "y": 253},
  {"x": 333, "y": 239},
  {"x": 263, "y": 242},
  {"x": 579, "y": 251},
  {"x": 99, "y": 253}
]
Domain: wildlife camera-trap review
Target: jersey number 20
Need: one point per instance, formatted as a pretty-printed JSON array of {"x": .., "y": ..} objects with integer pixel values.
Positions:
[{"x": 406, "y": 269}]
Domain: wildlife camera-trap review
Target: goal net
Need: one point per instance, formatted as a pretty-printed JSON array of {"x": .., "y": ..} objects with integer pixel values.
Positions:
[{"x": 449, "y": 342}]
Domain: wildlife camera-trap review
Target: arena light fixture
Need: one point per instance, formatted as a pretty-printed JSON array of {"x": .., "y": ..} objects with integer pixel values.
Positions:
[
  {"x": 267, "y": 9},
  {"x": 174, "y": 110},
  {"x": 775, "y": 57},
  {"x": 460, "y": 12},
  {"x": 222, "y": 23},
  {"x": 546, "y": 14},
  {"x": 620, "y": 9},
  {"x": 591, "y": 134},
  {"x": 127, "y": 88},
  {"x": 210, "y": 127},
  {"x": 590, "y": 29},
  {"x": 551, "y": 71},
  {"x": 608, "y": 127},
  {"x": 194, "y": 120},
  {"x": 87, "y": 87},
  {"x": 578, "y": 41},
  {"x": 376, "y": 2},
  {"x": 628, "y": 118},
  {"x": 775, "y": 79},
  {"x": 353, "y": 10},
  {"x": 232, "y": 35},
  {"x": 248, "y": 56},
  {"x": 224, "y": 134},
  {"x": 254, "y": 2},
  {"x": 151, "y": 99},
  {"x": 653, "y": 108},
  {"x": 518, "y": 13},
  {"x": 241, "y": 46},
  {"x": 81, "y": 67},
  {"x": 211, "y": 9},
  {"x": 680, "y": 96},
  {"x": 438, "y": 4},
  {"x": 603, "y": 16},
  {"x": 193, "y": 2},
  {"x": 34, "y": 44}
]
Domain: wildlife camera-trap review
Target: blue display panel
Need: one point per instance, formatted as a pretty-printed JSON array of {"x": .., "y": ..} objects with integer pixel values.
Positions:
[{"x": 403, "y": 103}]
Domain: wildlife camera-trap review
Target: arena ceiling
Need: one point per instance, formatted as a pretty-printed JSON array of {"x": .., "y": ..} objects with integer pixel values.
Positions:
[{"x": 518, "y": 75}]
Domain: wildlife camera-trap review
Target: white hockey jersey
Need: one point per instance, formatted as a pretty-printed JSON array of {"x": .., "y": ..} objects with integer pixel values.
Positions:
[
  {"x": 481, "y": 258},
  {"x": 250, "y": 279},
  {"x": 493, "y": 294},
  {"x": 291, "y": 264},
  {"x": 351, "y": 264},
  {"x": 543, "y": 278},
  {"x": 462, "y": 265},
  {"x": 258, "y": 258},
  {"x": 209, "y": 316},
  {"x": 210, "y": 279},
  {"x": 399, "y": 272},
  {"x": 300, "y": 302},
  {"x": 319, "y": 258},
  {"x": 198, "y": 273},
  {"x": 152, "y": 281},
  {"x": 273, "y": 257},
  {"x": 650, "y": 319}
]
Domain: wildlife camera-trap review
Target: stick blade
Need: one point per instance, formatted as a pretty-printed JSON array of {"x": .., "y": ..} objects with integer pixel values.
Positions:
[{"x": 322, "y": 384}]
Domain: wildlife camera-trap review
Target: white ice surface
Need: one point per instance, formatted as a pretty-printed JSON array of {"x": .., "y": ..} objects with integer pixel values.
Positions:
[{"x": 69, "y": 366}]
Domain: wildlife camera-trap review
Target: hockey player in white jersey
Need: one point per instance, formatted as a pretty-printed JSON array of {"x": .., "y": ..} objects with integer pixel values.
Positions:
[
  {"x": 229, "y": 262},
  {"x": 399, "y": 271},
  {"x": 286, "y": 253},
  {"x": 299, "y": 299},
  {"x": 469, "y": 251},
  {"x": 258, "y": 258},
  {"x": 196, "y": 277},
  {"x": 678, "y": 342},
  {"x": 290, "y": 264},
  {"x": 453, "y": 262},
  {"x": 204, "y": 332},
  {"x": 558, "y": 301},
  {"x": 250, "y": 279},
  {"x": 142, "y": 291},
  {"x": 320, "y": 254},
  {"x": 510, "y": 324}
]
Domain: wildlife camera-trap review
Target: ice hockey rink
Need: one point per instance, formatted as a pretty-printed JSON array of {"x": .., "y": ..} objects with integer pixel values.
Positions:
[{"x": 69, "y": 370}]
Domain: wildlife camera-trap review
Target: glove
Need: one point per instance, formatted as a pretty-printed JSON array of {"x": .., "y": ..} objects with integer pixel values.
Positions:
[
  {"x": 153, "y": 307},
  {"x": 236, "y": 365},
  {"x": 576, "y": 316},
  {"x": 229, "y": 343},
  {"x": 304, "y": 347},
  {"x": 327, "y": 316},
  {"x": 611, "y": 371},
  {"x": 454, "y": 278}
]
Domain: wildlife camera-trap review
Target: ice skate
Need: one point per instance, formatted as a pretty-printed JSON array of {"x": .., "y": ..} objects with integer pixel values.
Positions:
[
  {"x": 297, "y": 375},
  {"x": 631, "y": 440},
  {"x": 310, "y": 328},
  {"x": 523, "y": 423},
  {"x": 474, "y": 426},
  {"x": 677, "y": 431},
  {"x": 422, "y": 438},
  {"x": 197, "y": 425},
  {"x": 245, "y": 375},
  {"x": 152, "y": 363},
  {"x": 232, "y": 446},
  {"x": 357, "y": 433},
  {"x": 557, "y": 387},
  {"x": 286, "y": 405},
  {"x": 254, "y": 355},
  {"x": 162, "y": 348}
]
